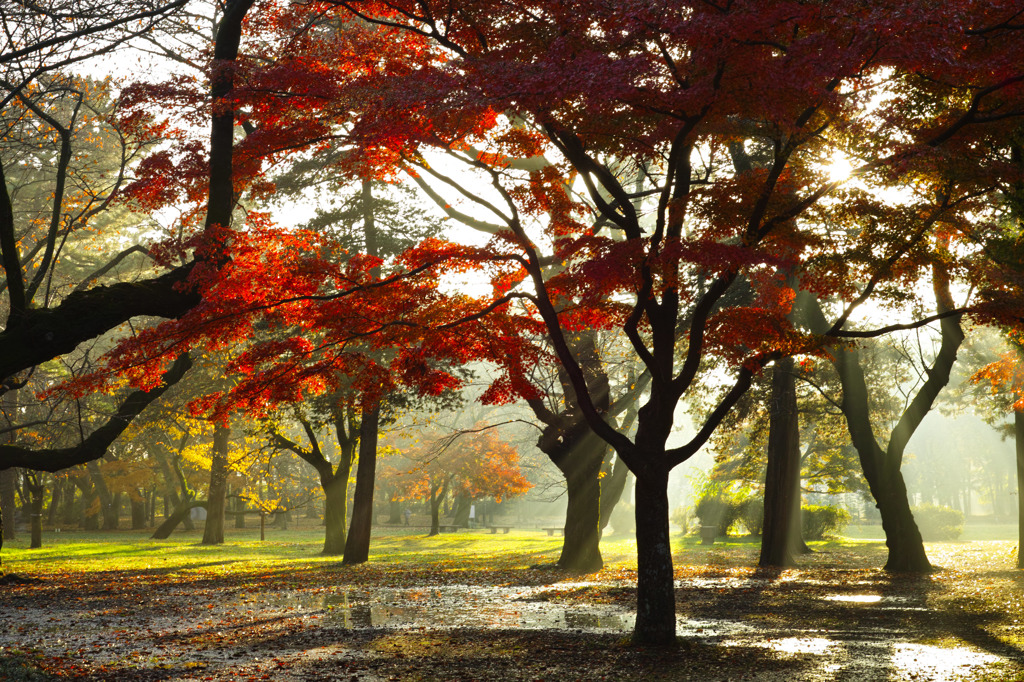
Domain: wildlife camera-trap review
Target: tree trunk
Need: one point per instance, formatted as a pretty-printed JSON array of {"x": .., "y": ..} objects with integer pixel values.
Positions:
[
  {"x": 36, "y": 493},
  {"x": 462, "y": 506},
  {"x": 882, "y": 467},
  {"x": 238, "y": 507},
  {"x": 437, "y": 494},
  {"x": 335, "y": 514},
  {"x": 902, "y": 537},
  {"x": 357, "y": 545},
  {"x": 8, "y": 501},
  {"x": 56, "y": 492},
  {"x": 67, "y": 506},
  {"x": 655, "y": 583},
  {"x": 107, "y": 507},
  {"x": 176, "y": 517},
  {"x": 213, "y": 533},
  {"x": 782, "y": 480},
  {"x": 170, "y": 469},
  {"x": 138, "y": 507},
  {"x": 581, "y": 550},
  {"x": 90, "y": 520},
  {"x": 395, "y": 512},
  {"x": 1018, "y": 431}
]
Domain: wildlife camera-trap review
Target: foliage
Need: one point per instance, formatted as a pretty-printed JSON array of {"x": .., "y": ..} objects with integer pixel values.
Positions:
[
  {"x": 474, "y": 463},
  {"x": 636, "y": 166},
  {"x": 719, "y": 511},
  {"x": 938, "y": 522},
  {"x": 820, "y": 522},
  {"x": 752, "y": 514}
]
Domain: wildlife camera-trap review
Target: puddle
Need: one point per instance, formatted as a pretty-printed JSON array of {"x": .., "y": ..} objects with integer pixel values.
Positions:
[
  {"x": 938, "y": 664},
  {"x": 878, "y": 601},
  {"x": 855, "y": 598},
  {"x": 816, "y": 646},
  {"x": 452, "y": 606}
]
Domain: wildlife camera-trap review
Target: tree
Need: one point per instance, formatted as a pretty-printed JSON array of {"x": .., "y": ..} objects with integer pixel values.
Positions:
[
  {"x": 471, "y": 464},
  {"x": 663, "y": 94},
  {"x": 580, "y": 455},
  {"x": 36, "y": 333},
  {"x": 671, "y": 90},
  {"x": 812, "y": 452},
  {"x": 881, "y": 465},
  {"x": 334, "y": 479}
]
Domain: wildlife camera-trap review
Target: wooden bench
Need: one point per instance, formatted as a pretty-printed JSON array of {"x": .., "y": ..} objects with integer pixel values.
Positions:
[
  {"x": 552, "y": 531},
  {"x": 448, "y": 529},
  {"x": 503, "y": 529}
]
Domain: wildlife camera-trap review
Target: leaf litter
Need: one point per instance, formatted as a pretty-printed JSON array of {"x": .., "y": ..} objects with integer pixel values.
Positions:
[{"x": 830, "y": 619}]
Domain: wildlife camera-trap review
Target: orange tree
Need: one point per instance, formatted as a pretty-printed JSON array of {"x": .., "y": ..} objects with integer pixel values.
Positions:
[{"x": 471, "y": 464}]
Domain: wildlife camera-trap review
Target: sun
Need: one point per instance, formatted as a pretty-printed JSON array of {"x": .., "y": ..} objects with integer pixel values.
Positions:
[{"x": 839, "y": 168}]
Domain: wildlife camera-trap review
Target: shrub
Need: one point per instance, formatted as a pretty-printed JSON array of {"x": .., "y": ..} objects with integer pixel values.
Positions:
[
  {"x": 938, "y": 523},
  {"x": 819, "y": 521},
  {"x": 752, "y": 515},
  {"x": 718, "y": 511}
]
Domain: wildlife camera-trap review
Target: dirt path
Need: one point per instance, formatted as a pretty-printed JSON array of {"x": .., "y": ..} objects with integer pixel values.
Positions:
[{"x": 825, "y": 622}]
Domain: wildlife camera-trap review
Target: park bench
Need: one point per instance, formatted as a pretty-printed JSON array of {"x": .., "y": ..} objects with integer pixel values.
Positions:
[
  {"x": 552, "y": 531},
  {"x": 447, "y": 529},
  {"x": 503, "y": 529}
]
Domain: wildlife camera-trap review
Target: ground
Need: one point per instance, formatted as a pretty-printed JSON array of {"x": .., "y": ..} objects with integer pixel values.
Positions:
[{"x": 472, "y": 606}]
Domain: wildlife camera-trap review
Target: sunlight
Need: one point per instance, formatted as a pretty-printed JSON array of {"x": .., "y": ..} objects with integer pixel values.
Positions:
[
  {"x": 855, "y": 598},
  {"x": 839, "y": 168},
  {"x": 940, "y": 663}
]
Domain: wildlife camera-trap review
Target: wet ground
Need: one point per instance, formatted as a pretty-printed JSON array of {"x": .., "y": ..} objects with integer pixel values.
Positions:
[{"x": 829, "y": 621}]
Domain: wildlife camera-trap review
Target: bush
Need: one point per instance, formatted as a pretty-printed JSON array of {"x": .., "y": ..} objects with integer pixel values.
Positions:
[
  {"x": 819, "y": 522},
  {"x": 718, "y": 511},
  {"x": 938, "y": 523},
  {"x": 752, "y": 515}
]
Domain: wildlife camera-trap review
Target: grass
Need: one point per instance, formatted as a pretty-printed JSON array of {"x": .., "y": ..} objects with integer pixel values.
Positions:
[
  {"x": 467, "y": 550},
  {"x": 243, "y": 551}
]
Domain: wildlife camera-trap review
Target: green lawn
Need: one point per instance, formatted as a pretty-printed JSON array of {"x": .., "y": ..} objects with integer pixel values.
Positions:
[{"x": 466, "y": 550}]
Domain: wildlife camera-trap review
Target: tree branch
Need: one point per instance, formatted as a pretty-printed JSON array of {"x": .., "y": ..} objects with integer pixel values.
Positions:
[{"x": 96, "y": 444}]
